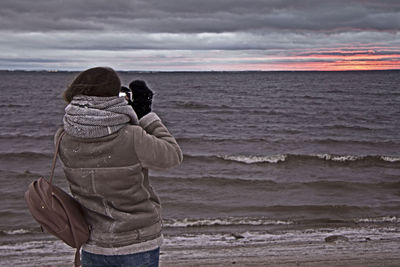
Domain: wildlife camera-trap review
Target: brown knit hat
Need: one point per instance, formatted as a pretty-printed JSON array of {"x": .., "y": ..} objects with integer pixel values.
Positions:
[{"x": 99, "y": 81}]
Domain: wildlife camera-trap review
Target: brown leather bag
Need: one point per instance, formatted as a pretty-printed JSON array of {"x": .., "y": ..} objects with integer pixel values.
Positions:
[{"x": 56, "y": 211}]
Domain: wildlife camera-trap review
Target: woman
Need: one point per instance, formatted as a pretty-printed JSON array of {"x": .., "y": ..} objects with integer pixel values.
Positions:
[{"x": 106, "y": 152}]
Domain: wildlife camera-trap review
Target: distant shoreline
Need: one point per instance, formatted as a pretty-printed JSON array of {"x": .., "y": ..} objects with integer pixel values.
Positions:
[{"x": 208, "y": 71}]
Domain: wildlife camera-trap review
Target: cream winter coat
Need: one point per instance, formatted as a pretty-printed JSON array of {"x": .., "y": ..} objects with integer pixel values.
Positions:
[{"x": 109, "y": 177}]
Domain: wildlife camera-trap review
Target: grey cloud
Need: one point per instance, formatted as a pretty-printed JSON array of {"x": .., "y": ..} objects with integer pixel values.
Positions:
[
  {"x": 193, "y": 16},
  {"x": 207, "y": 41},
  {"x": 30, "y": 60},
  {"x": 162, "y": 34}
]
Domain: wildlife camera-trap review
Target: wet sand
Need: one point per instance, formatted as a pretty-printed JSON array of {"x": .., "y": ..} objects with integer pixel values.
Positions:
[
  {"x": 362, "y": 244},
  {"x": 340, "y": 253}
]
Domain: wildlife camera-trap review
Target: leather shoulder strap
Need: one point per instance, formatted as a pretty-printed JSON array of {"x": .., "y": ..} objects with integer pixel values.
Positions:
[{"x": 53, "y": 166}]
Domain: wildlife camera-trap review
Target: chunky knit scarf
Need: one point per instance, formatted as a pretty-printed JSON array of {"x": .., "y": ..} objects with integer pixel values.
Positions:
[{"x": 93, "y": 116}]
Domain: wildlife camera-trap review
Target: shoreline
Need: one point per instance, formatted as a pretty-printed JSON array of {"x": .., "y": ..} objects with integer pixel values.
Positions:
[
  {"x": 291, "y": 245},
  {"x": 342, "y": 253},
  {"x": 365, "y": 244}
]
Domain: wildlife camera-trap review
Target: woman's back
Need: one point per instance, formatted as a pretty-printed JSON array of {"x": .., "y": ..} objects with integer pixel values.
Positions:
[{"x": 106, "y": 153}]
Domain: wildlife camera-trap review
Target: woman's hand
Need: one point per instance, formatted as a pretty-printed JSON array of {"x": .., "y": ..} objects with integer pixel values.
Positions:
[{"x": 142, "y": 98}]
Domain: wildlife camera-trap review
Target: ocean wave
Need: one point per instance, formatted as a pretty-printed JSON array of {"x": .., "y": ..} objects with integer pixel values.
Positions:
[
  {"x": 14, "y": 105},
  {"x": 384, "y": 219},
  {"x": 230, "y": 221},
  {"x": 27, "y": 135},
  {"x": 333, "y": 141},
  {"x": 195, "y": 105},
  {"x": 390, "y": 159},
  {"x": 25, "y": 155},
  {"x": 255, "y": 159},
  {"x": 16, "y": 232},
  {"x": 350, "y": 158},
  {"x": 273, "y": 138},
  {"x": 267, "y": 185},
  {"x": 285, "y": 158},
  {"x": 220, "y": 139},
  {"x": 19, "y": 174},
  {"x": 259, "y": 221},
  {"x": 340, "y": 158},
  {"x": 350, "y": 127}
]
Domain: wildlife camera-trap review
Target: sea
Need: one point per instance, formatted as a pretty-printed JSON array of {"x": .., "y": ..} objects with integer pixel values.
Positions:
[{"x": 269, "y": 157}]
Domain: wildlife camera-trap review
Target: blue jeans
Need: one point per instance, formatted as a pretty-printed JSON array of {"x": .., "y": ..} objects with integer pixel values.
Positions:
[{"x": 142, "y": 259}]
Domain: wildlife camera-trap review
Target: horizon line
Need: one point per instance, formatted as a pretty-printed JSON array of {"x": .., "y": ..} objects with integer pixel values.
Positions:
[{"x": 192, "y": 71}]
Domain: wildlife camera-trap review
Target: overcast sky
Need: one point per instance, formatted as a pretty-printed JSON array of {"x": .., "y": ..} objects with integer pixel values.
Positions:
[{"x": 173, "y": 35}]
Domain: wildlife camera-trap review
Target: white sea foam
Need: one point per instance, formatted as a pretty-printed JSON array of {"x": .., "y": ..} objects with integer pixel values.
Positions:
[
  {"x": 255, "y": 159},
  {"x": 256, "y": 237},
  {"x": 345, "y": 158},
  {"x": 390, "y": 159},
  {"x": 33, "y": 247},
  {"x": 251, "y": 159},
  {"x": 16, "y": 232},
  {"x": 341, "y": 158},
  {"x": 225, "y": 221},
  {"x": 390, "y": 219}
]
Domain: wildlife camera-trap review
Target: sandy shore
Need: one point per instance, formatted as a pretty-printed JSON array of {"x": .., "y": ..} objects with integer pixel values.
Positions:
[
  {"x": 346, "y": 245},
  {"x": 366, "y": 262},
  {"x": 342, "y": 253},
  {"x": 368, "y": 253}
]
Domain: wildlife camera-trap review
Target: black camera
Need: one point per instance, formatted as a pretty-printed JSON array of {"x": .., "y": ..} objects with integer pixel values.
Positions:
[
  {"x": 139, "y": 96},
  {"x": 127, "y": 93}
]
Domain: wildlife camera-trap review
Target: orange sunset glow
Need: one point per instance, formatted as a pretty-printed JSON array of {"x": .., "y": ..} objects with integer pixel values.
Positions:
[
  {"x": 328, "y": 60},
  {"x": 342, "y": 61},
  {"x": 349, "y": 58}
]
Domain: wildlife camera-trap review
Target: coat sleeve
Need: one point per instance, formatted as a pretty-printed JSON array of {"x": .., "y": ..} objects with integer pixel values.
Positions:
[{"x": 155, "y": 147}]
